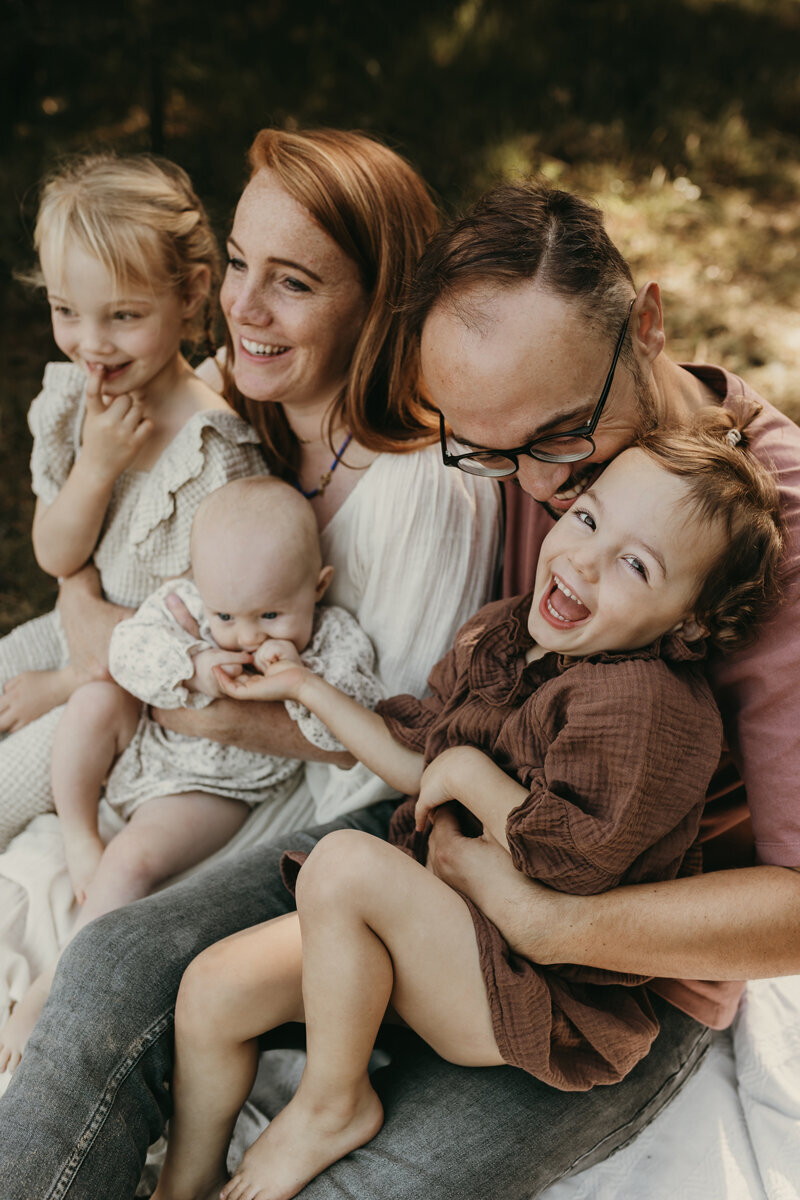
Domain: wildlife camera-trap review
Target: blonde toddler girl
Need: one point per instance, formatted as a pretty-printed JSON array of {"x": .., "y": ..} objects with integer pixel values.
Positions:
[{"x": 127, "y": 439}]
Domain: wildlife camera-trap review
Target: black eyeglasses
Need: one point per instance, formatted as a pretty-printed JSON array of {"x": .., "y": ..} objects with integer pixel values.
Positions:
[{"x": 572, "y": 446}]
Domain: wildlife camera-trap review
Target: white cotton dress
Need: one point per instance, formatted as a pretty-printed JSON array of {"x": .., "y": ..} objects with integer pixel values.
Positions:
[
  {"x": 415, "y": 549},
  {"x": 144, "y": 540},
  {"x": 151, "y": 656}
]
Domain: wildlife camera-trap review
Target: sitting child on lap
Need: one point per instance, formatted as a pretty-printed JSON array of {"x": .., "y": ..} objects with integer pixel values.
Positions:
[
  {"x": 257, "y": 579},
  {"x": 575, "y": 725}
]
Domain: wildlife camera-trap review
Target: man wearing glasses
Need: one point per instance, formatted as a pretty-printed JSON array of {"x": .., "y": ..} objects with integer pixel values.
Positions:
[{"x": 545, "y": 362}]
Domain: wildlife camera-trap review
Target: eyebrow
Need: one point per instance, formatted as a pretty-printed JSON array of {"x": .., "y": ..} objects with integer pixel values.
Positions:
[
  {"x": 283, "y": 262},
  {"x": 115, "y": 303},
  {"x": 590, "y": 494},
  {"x": 570, "y": 418}
]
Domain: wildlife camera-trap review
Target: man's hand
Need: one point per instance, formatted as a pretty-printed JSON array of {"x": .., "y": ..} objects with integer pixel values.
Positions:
[
  {"x": 114, "y": 429},
  {"x": 211, "y": 665}
]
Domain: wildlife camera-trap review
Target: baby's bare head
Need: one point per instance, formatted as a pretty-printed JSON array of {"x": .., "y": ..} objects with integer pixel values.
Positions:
[{"x": 255, "y": 553}]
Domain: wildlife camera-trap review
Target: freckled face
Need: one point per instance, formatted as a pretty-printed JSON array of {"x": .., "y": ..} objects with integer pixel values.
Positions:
[
  {"x": 294, "y": 302},
  {"x": 130, "y": 332},
  {"x": 529, "y": 363},
  {"x": 624, "y": 565}
]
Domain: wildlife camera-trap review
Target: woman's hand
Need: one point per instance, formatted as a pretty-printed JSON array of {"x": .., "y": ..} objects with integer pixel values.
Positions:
[
  {"x": 114, "y": 429},
  {"x": 31, "y": 695}
]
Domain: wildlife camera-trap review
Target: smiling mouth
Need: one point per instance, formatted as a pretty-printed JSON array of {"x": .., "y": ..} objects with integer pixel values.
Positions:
[
  {"x": 110, "y": 371},
  {"x": 578, "y": 482},
  {"x": 263, "y": 350},
  {"x": 563, "y": 605}
]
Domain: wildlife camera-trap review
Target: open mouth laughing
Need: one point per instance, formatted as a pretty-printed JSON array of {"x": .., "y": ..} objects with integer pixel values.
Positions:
[{"x": 560, "y": 606}]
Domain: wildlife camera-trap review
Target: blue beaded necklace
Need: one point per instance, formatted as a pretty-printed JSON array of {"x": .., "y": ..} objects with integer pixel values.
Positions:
[{"x": 326, "y": 477}]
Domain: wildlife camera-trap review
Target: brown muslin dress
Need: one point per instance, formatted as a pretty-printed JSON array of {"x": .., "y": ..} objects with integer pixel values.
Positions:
[{"x": 616, "y": 751}]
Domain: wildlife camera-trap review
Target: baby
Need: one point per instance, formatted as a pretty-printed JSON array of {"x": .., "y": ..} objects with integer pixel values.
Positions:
[{"x": 257, "y": 580}]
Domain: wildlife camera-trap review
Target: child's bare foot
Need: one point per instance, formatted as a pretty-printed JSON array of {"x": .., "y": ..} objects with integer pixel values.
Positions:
[
  {"x": 19, "y": 1026},
  {"x": 31, "y": 695},
  {"x": 300, "y": 1143},
  {"x": 84, "y": 848}
]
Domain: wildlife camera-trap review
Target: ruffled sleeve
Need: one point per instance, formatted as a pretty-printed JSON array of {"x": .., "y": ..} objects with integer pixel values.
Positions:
[
  {"x": 213, "y": 448},
  {"x": 342, "y": 654},
  {"x": 151, "y": 655},
  {"x": 55, "y": 419},
  {"x": 618, "y": 796}
]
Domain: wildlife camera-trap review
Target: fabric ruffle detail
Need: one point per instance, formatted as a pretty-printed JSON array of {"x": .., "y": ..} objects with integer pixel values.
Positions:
[
  {"x": 153, "y": 532},
  {"x": 55, "y": 418}
]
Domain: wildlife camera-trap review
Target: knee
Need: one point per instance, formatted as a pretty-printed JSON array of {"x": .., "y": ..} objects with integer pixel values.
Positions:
[
  {"x": 134, "y": 865},
  {"x": 98, "y": 705},
  {"x": 336, "y": 868},
  {"x": 206, "y": 992}
]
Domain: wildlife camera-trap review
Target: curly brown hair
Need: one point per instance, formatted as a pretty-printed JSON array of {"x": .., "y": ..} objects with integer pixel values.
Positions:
[{"x": 727, "y": 484}]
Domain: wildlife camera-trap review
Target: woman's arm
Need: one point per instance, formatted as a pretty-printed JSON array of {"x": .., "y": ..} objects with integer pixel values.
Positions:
[
  {"x": 739, "y": 924},
  {"x": 88, "y": 622},
  {"x": 360, "y": 729},
  {"x": 65, "y": 532}
]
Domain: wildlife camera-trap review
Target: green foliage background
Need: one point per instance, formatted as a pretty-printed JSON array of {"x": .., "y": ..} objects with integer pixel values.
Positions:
[{"x": 681, "y": 118}]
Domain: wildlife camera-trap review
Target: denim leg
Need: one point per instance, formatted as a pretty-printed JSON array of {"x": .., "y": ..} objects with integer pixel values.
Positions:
[
  {"x": 92, "y": 1091},
  {"x": 93, "y": 1088},
  {"x": 457, "y": 1133}
]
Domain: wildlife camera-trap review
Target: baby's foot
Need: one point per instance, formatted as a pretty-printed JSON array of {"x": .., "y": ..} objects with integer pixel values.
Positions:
[
  {"x": 299, "y": 1144},
  {"x": 84, "y": 848},
  {"x": 30, "y": 695},
  {"x": 19, "y": 1026}
]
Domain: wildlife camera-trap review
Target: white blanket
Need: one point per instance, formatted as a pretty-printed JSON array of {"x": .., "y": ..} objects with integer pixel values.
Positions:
[{"x": 733, "y": 1133}]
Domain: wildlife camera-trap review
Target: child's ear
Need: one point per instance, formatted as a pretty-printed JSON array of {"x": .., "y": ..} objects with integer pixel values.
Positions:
[
  {"x": 196, "y": 290},
  {"x": 323, "y": 583},
  {"x": 691, "y": 629}
]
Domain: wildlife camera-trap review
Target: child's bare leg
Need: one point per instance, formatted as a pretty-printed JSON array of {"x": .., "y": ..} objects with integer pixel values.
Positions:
[
  {"x": 234, "y": 991},
  {"x": 377, "y": 928},
  {"x": 97, "y": 724},
  {"x": 162, "y": 838}
]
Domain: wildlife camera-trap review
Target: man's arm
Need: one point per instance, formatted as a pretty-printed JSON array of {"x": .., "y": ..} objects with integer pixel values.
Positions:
[
  {"x": 740, "y": 924},
  {"x": 262, "y": 726}
]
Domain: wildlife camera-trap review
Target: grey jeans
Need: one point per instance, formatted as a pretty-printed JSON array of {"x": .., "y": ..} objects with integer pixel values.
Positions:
[{"x": 93, "y": 1089}]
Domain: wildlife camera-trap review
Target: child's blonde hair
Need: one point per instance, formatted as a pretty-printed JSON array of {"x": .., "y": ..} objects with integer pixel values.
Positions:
[
  {"x": 139, "y": 216},
  {"x": 728, "y": 484}
]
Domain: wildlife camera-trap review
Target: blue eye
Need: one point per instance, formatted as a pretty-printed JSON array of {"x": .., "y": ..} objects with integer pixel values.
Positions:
[
  {"x": 584, "y": 517},
  {"x": 636, "y": 565},
  {"x": 223, "y": 616}
]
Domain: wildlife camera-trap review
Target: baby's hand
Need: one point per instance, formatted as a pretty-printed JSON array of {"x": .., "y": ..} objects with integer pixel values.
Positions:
[
  {"x": 275, "y": 650},
  {"x": 283, "y": 680},
  {"x": 114, "y": 429},
  {"x": 229, "y": 663}
]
